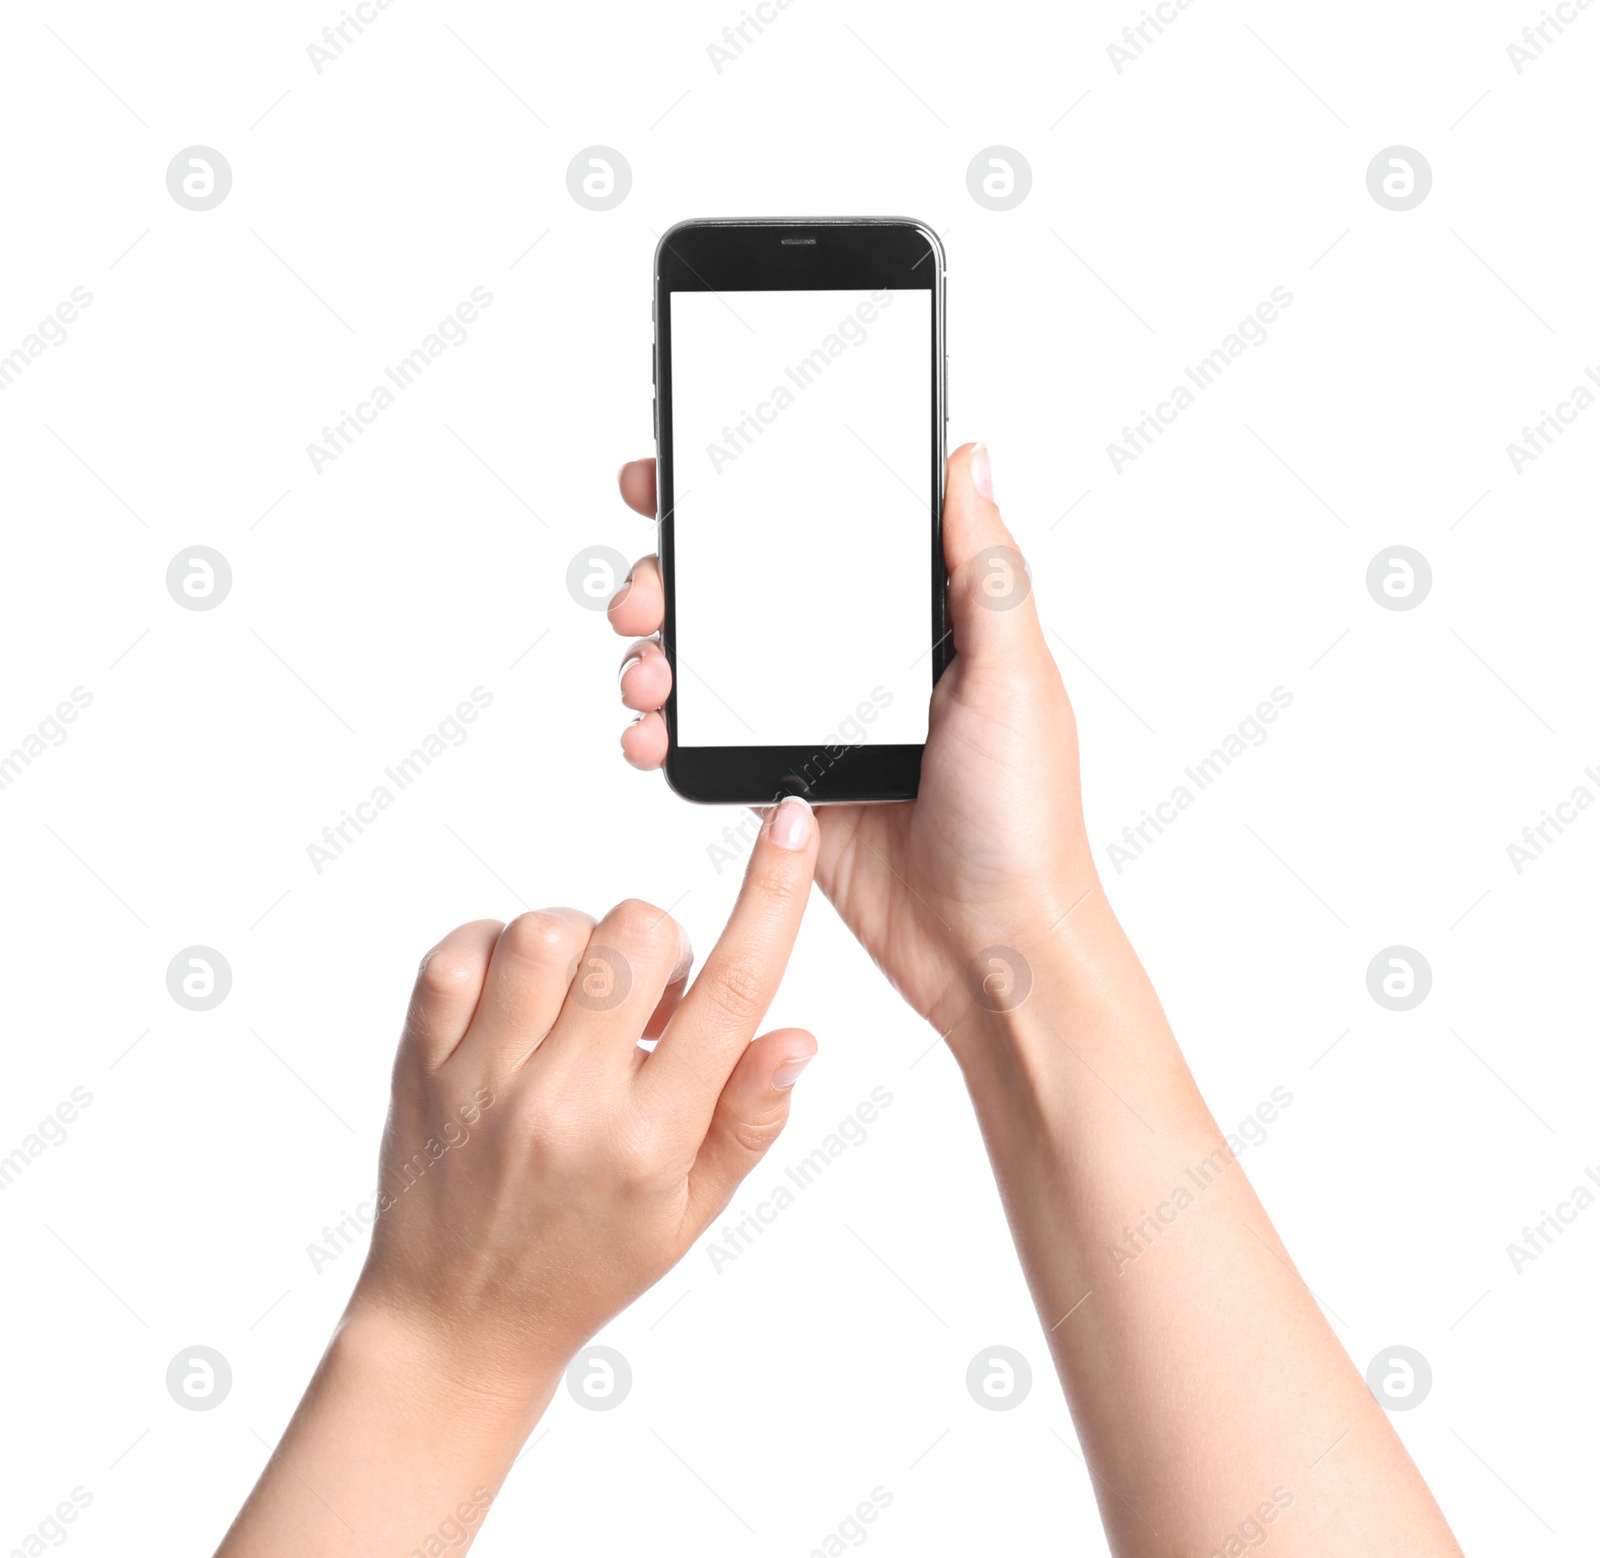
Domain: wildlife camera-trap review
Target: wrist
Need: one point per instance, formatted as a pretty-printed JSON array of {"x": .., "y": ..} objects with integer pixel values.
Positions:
[
  {"x": 1070, "y": 1004},
  {"x": 445, "y": 1370},
  {"x": 1054, "y": 954}
]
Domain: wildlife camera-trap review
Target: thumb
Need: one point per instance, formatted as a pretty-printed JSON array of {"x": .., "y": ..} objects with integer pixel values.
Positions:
[
  {"x": 750, "y": 1114},
  {"x": 991, "y": 596}
]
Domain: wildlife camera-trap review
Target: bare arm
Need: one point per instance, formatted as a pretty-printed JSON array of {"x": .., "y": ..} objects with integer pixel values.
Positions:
[
  {"x": 1214, "y": 1403},
  {"x": 1213, "y": 1400}
]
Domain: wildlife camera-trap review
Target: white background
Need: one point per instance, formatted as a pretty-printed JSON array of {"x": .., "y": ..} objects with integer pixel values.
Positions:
[
  {"x": 774, "y": 544},
  {"x": 1167, "y": 202}
]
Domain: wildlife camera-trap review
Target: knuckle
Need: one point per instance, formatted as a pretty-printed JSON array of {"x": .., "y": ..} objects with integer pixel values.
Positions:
[
  {"x": 637, "y": 1160},
  {"x": 643, "y": 928},
  {"x": 540, "y": 938},
  {"x": 753, "y": 1136},
  {"x": 781, "y": 886},
  {"x": 451, "y": 969},
  {"x": 738, "y": 991}
]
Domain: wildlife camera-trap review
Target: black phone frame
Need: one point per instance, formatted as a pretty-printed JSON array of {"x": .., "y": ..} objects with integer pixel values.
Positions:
[{"x": 768, "y": 254}]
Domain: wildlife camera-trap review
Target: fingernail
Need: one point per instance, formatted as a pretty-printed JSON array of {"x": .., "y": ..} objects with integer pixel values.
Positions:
[
  {"x": 791, "y": 824},
  {"x": 788, "y": 1073},
  {"x": 978, "y": 468},
  {"x": 628, "y": 665}
]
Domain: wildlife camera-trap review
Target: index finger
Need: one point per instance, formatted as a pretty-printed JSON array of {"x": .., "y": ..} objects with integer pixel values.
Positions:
[{"x": 722, "y": 1009}]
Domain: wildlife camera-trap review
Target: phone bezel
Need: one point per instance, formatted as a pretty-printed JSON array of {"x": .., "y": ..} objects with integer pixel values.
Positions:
[{"x": 734, "y": 255}]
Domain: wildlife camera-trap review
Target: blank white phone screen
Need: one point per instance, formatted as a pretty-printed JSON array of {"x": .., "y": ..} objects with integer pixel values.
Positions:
[{"x": 802, "y": 428}]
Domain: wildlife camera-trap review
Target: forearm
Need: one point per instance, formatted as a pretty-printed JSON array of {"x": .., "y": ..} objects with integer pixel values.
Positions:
[
  {"x": 394, "y": 1443},
  {"x": 1207, "y": 1387}
]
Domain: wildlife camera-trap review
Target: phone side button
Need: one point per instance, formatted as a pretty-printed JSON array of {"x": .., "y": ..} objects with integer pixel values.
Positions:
[{"x": 655, "y": 421}]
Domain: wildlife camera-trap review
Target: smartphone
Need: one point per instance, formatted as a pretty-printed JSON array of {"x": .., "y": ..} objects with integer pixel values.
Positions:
[{"x": 800, "y": 383}]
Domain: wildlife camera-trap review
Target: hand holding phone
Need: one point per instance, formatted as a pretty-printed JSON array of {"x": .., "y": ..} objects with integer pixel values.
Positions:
[{"x": 992, "y": 853}]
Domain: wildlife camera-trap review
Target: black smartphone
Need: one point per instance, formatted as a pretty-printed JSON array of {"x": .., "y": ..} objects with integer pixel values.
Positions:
[{"x": 800, "y": 378}]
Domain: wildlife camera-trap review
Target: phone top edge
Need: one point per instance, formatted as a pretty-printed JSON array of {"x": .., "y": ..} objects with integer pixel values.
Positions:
[{"x": 713, "y": 222}]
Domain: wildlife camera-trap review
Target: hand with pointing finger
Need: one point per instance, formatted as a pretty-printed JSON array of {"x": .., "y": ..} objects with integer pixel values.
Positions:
[
  {"x": 541, "y": 1168},
  {"x": 593, "y": 1163}
]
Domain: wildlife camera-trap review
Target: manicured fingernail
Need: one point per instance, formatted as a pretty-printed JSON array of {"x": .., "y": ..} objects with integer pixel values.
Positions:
[
  {"x": 978, "y": 467},
  {"x": 788, "y": 1073},
  {"x": 791, "y": 824},
  {"x": 628, "y": 665}
]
